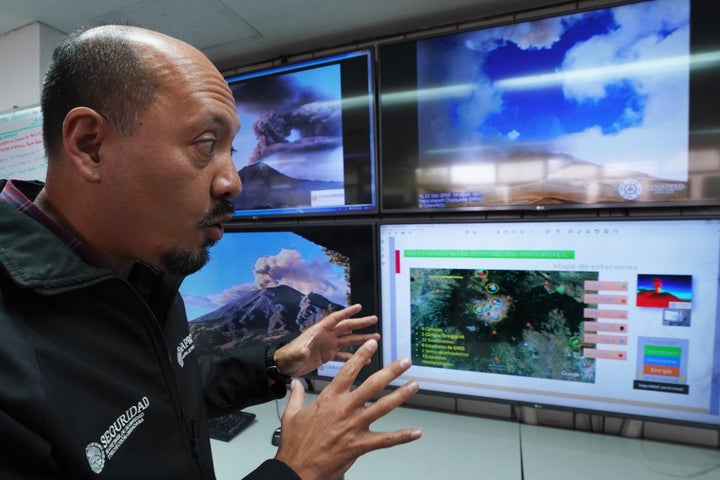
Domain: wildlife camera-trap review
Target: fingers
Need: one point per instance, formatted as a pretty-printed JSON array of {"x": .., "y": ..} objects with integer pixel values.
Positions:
[
  {"x": 343, "y": 356},
  {"x": 385, "y": 404},
  {"x": 335, "y": 427},
  {"x": 347, "y": 325},
  {"x": 297, "y": 399},
  {"x": 356, "y": 339},
  {"x": 390, "y": 439},
  {"x": 346, "y": 337},
  {"x": 336, "y": 317},
  {"x": 370, "y": 412},
  {"x": 376, "y": 382},
  {"x": 349, "y": 371},
  {"x": 343, "y": 326}
]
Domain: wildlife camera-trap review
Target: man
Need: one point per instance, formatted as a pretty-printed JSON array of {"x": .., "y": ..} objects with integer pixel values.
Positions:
[{"x": 98, "y": 378}]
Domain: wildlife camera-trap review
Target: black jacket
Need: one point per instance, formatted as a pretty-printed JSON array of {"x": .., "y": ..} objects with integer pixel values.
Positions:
[{"x": 99, "y": 382}]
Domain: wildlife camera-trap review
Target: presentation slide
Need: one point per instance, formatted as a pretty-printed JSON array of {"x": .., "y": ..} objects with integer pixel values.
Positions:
[{"x": 609, "y": 316}]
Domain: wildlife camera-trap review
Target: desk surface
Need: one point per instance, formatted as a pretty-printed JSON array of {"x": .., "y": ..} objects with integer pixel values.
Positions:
[
  {"x": 459, "y": 446},
  {"x": 452, "y": 446},
  {"x": 558, "y": 454}
]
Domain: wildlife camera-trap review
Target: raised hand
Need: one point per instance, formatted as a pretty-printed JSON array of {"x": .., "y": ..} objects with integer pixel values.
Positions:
[
  {"x": 322, "y": 440},
  {"x": 324, "y": 341}
]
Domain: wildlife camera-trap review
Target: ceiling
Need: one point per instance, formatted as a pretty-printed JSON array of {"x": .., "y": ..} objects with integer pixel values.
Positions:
[{"x": 235, "y": 33}]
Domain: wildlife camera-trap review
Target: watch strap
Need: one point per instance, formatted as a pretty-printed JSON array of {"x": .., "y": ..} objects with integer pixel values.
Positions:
[{"x": 271, "y": 369}]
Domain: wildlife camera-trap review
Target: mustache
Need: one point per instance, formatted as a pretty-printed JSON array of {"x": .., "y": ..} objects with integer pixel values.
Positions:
[{"x": 217, "y": 214}]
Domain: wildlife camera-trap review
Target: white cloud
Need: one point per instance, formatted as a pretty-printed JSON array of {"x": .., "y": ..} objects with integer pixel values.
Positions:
[
  {"x": 288, "y": 267},
  {"x": 659, "y": 137}
]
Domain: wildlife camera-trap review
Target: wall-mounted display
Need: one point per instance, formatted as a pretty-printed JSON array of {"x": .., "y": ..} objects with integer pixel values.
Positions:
[
  {"x": 611, "y": 107},
  {"x": 267, "y": 284},
  {"x": 617, "y": 317},
  {"x": 306, "y": 144}
]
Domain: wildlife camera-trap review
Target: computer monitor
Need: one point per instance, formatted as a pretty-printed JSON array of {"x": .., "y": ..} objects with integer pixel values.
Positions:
[
  {"x": 267, "y": 284},
  {"x": 610, "y": 107},
  {"x": 617, "y": 317},
  {"x": 306, "y": 144}
]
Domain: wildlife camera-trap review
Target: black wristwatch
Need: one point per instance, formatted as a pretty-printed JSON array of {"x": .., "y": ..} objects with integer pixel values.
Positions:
[{"x": 271, "y": 369}]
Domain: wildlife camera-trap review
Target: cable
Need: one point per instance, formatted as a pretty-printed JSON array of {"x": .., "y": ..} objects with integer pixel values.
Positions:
[
  {"x": 522, "y": 466},
  {"x": 652, "y": 465}
]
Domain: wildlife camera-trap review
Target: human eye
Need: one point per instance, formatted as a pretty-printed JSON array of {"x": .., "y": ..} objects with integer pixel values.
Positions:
[{"x": 207, "y": 147}]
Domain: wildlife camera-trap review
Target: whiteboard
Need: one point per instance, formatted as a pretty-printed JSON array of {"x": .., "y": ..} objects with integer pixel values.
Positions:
[{"x": 22, "y": 156}]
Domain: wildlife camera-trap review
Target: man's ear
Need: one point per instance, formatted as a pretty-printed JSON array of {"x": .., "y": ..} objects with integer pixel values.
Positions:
[{"x": 84, "y": 130}]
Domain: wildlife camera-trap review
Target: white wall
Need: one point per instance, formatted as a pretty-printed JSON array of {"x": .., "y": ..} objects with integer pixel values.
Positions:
[{"x": 24, "y": 56}]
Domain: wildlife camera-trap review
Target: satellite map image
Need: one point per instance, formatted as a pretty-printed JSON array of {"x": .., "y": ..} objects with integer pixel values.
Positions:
[{"x": 512, "y": 322}]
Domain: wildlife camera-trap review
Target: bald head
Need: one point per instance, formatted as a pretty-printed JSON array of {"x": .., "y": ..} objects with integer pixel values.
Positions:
[{"x": 115, "y": 70}]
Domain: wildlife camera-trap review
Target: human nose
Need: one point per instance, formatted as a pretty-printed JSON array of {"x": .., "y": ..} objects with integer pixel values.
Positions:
[{"x": 226, "y": 183}]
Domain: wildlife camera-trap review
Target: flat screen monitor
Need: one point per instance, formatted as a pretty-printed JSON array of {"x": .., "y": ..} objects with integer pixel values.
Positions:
[
  {"x": 306, "y": 144},
  {"x": 267, "y": 284},
  {"x": 611, "y": 107},
  {"x": 618, "y": 317}
]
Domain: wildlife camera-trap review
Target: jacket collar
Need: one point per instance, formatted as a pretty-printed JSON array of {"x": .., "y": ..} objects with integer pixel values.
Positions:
[{"x": 35, "y": 258}]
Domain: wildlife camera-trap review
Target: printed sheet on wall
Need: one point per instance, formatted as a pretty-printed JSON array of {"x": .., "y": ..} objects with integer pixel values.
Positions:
[{"x": 22, "y": 155}]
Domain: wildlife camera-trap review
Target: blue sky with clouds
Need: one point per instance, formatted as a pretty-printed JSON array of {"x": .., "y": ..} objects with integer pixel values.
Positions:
[{"x": 608, "y": 86}]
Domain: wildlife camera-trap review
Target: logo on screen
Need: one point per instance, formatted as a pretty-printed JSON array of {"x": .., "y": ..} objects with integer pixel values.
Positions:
[{"x": 630, "y": 189}]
